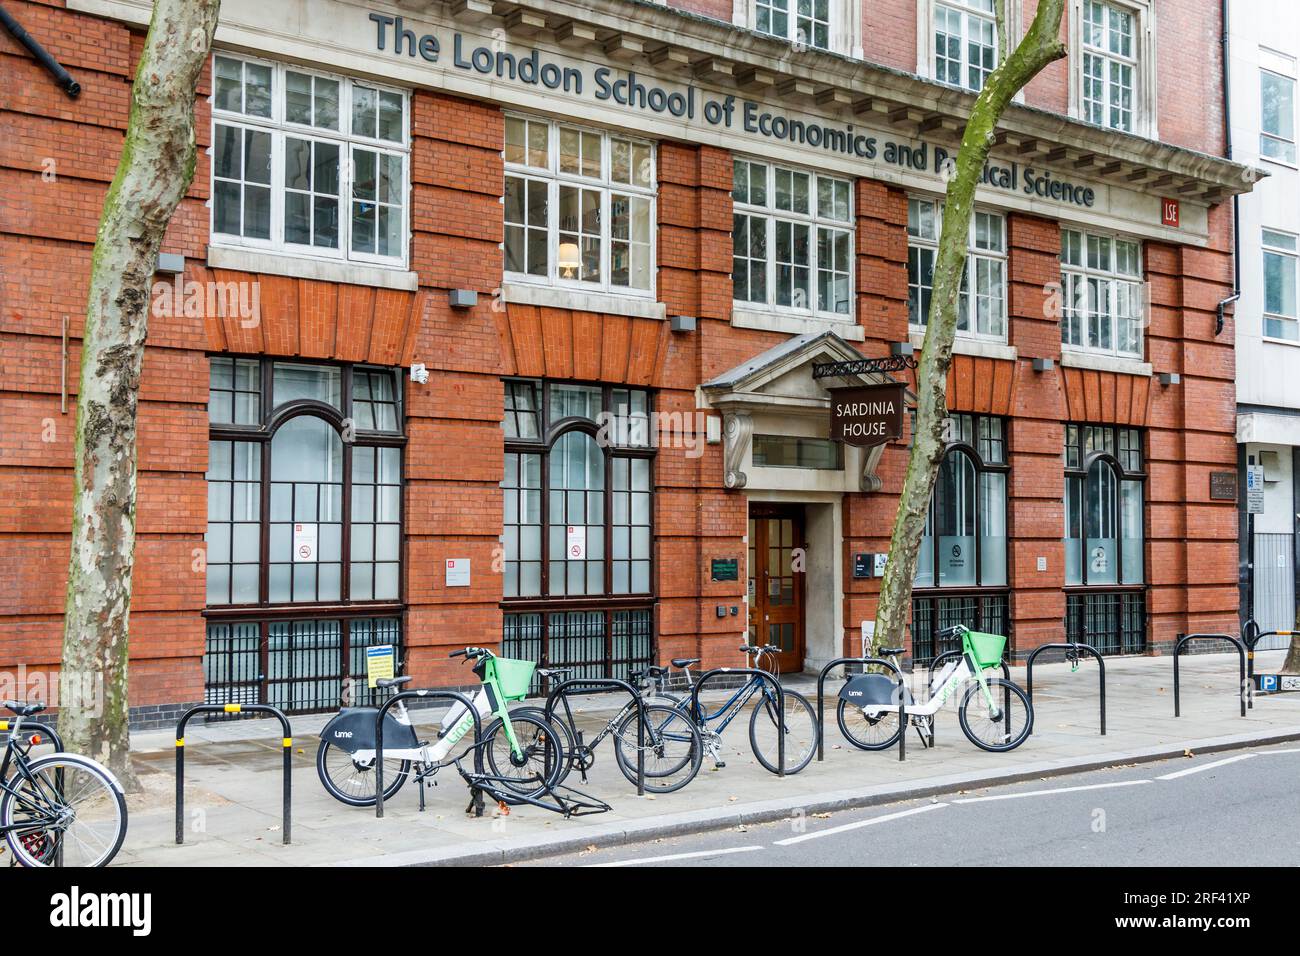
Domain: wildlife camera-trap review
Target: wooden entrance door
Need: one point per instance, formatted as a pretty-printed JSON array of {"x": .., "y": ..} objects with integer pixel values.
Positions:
[{"x": 777, "y": 554}]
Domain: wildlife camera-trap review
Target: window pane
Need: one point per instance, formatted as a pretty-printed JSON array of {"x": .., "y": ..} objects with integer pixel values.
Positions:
[
  {"x": 391, "y": 126},
  {"x": 1277, "y": 116},
  {"x": 1279, "y": 284},
  {"x": 954, "y": 513},
  {"x": 993, "y": 528},
  {"x": 787, "y": 451},
  {"x": 297, "y": 98},
  {"x": 1131, "y": 523},
  {"x": 228, "y": 85},
  {"x": 364, "y": 111},
  {"x": 322, "y": 383},
  {"x": 1099, "y": 516},
  {"x": 257, "y": 89}
]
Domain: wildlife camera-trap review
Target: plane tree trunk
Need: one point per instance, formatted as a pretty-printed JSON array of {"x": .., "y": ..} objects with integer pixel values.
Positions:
[{"x": 155, "y": 170}]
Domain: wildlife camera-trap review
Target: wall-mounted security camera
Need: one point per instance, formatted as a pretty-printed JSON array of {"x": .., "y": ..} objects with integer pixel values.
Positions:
[{"x": 419, "y": 374}]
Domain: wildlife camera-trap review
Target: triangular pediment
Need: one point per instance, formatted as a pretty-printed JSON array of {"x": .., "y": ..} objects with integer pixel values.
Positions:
[{"x": 783, "y": 375}]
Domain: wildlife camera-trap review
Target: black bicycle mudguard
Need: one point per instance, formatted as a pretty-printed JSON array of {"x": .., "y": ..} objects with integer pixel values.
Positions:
[
  {"x": 353, "y": 729},
  {"x": 873, "y": 689}
]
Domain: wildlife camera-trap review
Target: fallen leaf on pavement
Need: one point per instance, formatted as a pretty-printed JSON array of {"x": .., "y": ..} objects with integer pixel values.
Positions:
[{"x": 1188, "y": 753}]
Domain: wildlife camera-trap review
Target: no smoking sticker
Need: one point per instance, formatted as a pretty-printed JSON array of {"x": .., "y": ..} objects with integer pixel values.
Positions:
[{"x": 304, "y": 543}]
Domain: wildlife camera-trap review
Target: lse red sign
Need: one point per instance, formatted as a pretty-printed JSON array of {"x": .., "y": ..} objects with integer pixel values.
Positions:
[{"x": 1169, "y": 212}]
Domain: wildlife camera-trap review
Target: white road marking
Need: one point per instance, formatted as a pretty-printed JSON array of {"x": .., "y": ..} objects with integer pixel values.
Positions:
[
  {"x": 1266, "y": 752},
  {"x": 678, "y": 856},
  {"x": 1047, "y": 793},
  {"x": 1205, "y": 766},
  {"x": 831, "y": 831}
]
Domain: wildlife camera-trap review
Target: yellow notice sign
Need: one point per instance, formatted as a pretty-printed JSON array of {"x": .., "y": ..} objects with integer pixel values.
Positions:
[{"x": 381, "y": 662}]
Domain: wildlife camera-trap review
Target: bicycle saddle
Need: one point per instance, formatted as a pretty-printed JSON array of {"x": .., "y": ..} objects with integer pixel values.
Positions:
[
  {"x": 891, "y": 651},
  {"x": 23, "y": 709},
  {"x": 392, "y": 681},
  {"x": 685, "y": 661}
]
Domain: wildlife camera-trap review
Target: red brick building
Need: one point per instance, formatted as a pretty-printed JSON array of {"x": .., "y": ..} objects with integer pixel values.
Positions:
[{"x": 618, "y": 236}]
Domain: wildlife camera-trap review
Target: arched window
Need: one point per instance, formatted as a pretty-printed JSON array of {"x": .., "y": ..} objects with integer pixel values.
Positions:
[
  {"x": 965, "y": 543},
  {"x": 303, "y": 557},
  {"x": 577, "y": 503},
  {"x": 1103, "y": 507},
  {"x": 1104, "y": 537},
  {"x": 961, "y": 573}
]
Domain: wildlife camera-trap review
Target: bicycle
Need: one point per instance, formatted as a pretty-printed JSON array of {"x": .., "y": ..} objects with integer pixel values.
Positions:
[
  {"x": 673, "y": 756},
  {"x": 521, "y": 750},
  {"x": 868, "y": 703},
  {"x": 60, "y": 809},
  {"x": 799, "y": 724}
]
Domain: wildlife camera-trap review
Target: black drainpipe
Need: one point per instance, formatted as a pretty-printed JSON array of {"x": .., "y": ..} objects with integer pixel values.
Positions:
[
  {"x": 61, "y": 76},
  {"x": 1227, "y": 142}
]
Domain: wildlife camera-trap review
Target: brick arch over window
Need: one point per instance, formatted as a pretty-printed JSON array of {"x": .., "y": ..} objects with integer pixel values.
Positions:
[
  {"x": 304, "y": 318},
  {"x": 1109, "y": 398},
  {"x": 569, "y": 344},
  {"x": 978, "y": 384}
]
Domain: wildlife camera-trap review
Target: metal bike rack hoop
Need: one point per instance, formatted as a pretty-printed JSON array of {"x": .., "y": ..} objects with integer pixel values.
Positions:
[
  {"x": 1241, "y": 655},
  {"x": 421, "y": 695},
  {"x": 603, "y": 685},
  {"x": 286, "y": 742},
  {"x": 1087, "y": 648},
  {"x": 753, "y": 672},
  {"x": 821, "y": 701}
]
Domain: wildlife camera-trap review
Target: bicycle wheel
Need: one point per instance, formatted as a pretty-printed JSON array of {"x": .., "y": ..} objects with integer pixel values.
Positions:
[
  {"x": 564, "y": 739},
  {"x": 537, "y": 768},
  {"x": 67, "y": 811},
  {"x": 1005, "y": 728},
  {"x": 867, "y": 732},
  {"x": 671, "y": 743},
  {"x": 800, "y": 728},
  {"x": 354, "y": 783}
]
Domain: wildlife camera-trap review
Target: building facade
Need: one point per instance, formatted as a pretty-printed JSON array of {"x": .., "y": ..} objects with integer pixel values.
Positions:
[
  {"x": 1263, "y": 45},
  {"x": 497, "y": 324}
]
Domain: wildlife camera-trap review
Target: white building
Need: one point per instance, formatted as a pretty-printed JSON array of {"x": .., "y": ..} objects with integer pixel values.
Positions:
[{"x": 1263, "y": 58}]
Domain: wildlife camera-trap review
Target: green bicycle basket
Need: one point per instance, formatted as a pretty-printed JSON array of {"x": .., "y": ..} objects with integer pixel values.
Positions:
[
  {"x": 985, "y": 648},
  {"x": 512, "y": 676}
]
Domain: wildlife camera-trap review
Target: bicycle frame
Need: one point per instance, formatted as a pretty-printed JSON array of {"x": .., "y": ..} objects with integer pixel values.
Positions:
[
  {"x": 725, "y": 714},
  {"x": 605, "y": 731},
  {"x": 945, "y": 684}
]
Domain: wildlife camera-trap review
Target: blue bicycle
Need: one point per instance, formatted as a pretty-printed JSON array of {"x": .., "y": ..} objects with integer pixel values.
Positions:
[{"x": 799, "y": 722}]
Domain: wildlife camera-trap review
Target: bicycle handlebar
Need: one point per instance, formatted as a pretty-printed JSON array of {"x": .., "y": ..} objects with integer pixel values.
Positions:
[{"x": 470, "y": 653}]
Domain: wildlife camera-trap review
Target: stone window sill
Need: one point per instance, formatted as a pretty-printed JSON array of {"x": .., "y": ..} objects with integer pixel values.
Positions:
[{"x": 270, "y": 263}]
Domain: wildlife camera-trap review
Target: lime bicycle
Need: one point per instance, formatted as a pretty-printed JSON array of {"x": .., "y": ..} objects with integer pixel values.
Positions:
[
  {"x": 994, "y": 713},
  {"x": 521, "y": 751}
]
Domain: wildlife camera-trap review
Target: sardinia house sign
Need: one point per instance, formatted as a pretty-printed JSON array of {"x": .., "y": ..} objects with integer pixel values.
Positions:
[{"x": 867, "y": 415}]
